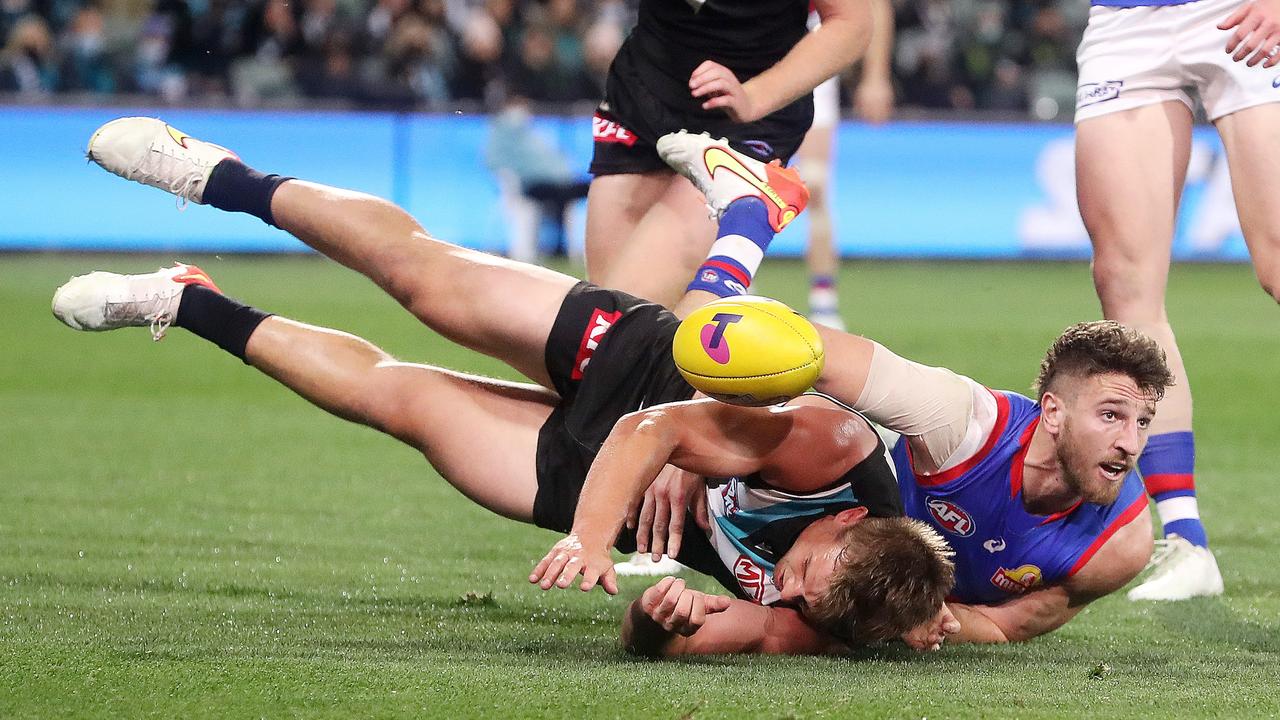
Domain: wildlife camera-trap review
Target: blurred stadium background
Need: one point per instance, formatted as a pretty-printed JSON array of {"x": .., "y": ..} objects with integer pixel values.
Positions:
[{"x": 180, "y": 538}]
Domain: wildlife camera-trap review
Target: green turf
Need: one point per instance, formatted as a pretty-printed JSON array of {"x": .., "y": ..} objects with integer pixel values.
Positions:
[{"x": 179, "y": 537}]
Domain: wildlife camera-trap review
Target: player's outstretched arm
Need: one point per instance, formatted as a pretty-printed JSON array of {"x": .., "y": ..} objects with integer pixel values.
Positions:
[
  {"x": 846, "y": 28},
  {"x": 705, "y": 437},
  {"x": 1038, "y": 612},
  {"x": 670, "y": 619}
]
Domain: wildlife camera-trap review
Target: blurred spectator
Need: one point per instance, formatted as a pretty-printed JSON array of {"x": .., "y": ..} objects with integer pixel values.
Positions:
[{"x": 27, "y": 62}]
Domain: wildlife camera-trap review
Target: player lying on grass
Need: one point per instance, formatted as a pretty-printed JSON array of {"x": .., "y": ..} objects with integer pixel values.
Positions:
[
  {"x": 1038, "y": 497},
  {"x": 596, "y": 355}
]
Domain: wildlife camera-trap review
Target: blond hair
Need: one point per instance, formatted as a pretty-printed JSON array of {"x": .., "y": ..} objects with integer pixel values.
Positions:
[{"x": 894, "y": 575}]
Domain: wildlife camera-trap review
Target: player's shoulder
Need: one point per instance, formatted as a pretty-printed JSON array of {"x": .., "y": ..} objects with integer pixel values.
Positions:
[{"x": 1120, "y": 558}]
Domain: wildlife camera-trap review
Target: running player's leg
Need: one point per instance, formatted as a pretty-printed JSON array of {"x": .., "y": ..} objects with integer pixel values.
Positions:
[
  {"x": 821, "y": 258},
  {"x": 1130, "y": 170},
  {"x": 1252, "y": 141},
  {"x": 490, "y": 304},
  {"x": 480, "y": 434},
  {"x": 646, "y": 234}
]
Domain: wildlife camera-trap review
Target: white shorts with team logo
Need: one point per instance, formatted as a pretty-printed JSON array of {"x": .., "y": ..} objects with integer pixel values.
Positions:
[{"x": 1131, "y": 57}]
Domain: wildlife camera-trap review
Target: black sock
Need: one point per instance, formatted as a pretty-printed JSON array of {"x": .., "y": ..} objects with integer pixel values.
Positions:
[
  {"x": 218, "y": 319},
  {"x": 236, "y": 187}
]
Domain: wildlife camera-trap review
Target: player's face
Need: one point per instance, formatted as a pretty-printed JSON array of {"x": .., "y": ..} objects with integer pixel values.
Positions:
[
  {"x": 803, "y": 575},
  {"x": 1103, "y": 431}
]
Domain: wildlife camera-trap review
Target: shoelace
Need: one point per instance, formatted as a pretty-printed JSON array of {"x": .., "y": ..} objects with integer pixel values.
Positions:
[
  {"x": 1164, "y": 556},
  {"x": 152, "y": 309},
  {"x": 161, "y": 162}
]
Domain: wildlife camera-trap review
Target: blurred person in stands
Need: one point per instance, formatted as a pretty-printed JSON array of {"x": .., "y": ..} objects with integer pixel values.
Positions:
[{"x": 28, "y": 64}]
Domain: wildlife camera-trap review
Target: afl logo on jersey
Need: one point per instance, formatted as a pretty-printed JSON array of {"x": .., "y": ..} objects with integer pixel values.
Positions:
[
  {"x": 950, "y": 517},
  {"x": 750, "y": 576}
]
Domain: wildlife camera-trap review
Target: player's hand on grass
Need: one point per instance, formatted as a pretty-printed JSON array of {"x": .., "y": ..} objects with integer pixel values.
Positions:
[
  {"x": 569, "y": 558},
  {"x": 928, "y": 635},
  {"x": 1257, "y": 33},
  {"x": 659, "y": 521},
  {"x": 677, "y": 608},
  {"x": 721, "y": 89}
]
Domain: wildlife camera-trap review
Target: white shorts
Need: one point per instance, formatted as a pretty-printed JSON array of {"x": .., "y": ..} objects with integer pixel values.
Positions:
[
  {"x": 826, "y": 103},
  {"x": 1131, "y": 57}
]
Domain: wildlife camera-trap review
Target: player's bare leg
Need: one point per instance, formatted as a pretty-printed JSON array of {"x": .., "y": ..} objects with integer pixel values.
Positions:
[
  {"x": 1130, "y": 169},
  {"x": 463, "y": 294},
  {"x": 450, "y": 417},
  {"x": 1252, "y": 140},
  {"x": 646, "y": 234},
  {"x": 496, "y": 306}
]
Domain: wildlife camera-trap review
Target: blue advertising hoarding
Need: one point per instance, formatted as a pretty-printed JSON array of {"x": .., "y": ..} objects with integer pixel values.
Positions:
[{"x": 910, "y": 189}]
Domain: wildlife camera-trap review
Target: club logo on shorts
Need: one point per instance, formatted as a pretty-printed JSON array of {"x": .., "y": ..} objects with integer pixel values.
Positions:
[
  {"x": 1017, "y": 580},
  {"x": 950, "y": 516},
  {"x": 597, "y": 326},
  {"x": 604, "y": 130},
  {"x": 713, "y": 341},
  {"x": 750, "y": 576},
  {"x": 1091, "y": 93}
]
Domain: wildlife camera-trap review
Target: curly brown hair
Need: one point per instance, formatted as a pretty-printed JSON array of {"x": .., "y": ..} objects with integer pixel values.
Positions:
[
  {"x": 893, "y": 575},
  {"x": 1104, "y": 346}
]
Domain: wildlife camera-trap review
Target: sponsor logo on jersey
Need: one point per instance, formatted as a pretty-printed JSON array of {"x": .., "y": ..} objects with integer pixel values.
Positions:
[
  {"x": 712, "y": 336},
  {"x": 604, "y": 130},
  {"x": 1091, "y": 93},
  {"x": 750, "y": 576},
  {"x": 729, "y": 498},
  {"x": 950, "y": 516},
  {"x": 994, "y": 545},
  {"x": 1017, "y": 580},
  {"x": 597, "y": 326}
]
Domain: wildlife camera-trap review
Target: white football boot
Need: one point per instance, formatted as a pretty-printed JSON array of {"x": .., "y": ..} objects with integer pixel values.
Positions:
[
  {"x": 150, "y": 151},
  {"x": 643, "y": 564},
  {"x": 724, "y": 175},
  {"x": 1182, "y": 571},
  {"x": 106, "y": 301}
]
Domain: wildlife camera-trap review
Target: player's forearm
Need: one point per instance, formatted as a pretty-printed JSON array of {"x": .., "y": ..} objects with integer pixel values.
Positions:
[
  {"x": 975, "y": 627},
  {"x": 627, "y": 464},
  {"x": 819, "y": 55},
  {"x": 878, "y": 60}
]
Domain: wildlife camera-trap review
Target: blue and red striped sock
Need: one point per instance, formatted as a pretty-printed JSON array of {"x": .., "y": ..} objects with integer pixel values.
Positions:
[
  {"x": 744, "y": 236},
  {"x": 1168, "y": 470}
]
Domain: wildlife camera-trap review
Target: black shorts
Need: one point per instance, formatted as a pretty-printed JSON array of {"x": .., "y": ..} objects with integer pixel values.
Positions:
[
  {"x": 643, "y": 102},
  {"x": 608, "y": 354}
]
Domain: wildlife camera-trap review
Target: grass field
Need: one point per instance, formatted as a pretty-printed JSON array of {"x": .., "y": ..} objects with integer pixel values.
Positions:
[{"x": 181, "y": 538}]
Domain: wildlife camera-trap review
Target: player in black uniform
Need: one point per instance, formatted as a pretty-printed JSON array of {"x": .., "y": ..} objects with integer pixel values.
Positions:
[
  {"x": 595, "y": 354},
  {"x": 741, "y": 69}
]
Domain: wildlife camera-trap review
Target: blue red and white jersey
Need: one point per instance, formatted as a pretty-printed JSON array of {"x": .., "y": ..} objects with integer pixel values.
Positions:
[{"x": 1001, "y": 549}]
